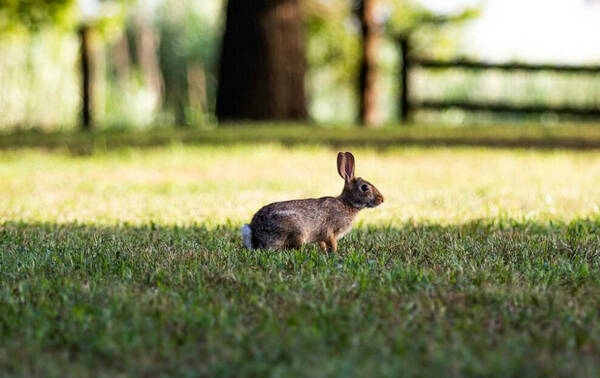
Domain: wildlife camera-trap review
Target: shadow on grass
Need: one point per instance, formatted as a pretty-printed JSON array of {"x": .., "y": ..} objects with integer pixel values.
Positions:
[
  {"x": 81, "y": 143},
  {"x": 500, "y": 252},
  {"x": 483, "y": 298},
  {"x": 424, "y": 245}
]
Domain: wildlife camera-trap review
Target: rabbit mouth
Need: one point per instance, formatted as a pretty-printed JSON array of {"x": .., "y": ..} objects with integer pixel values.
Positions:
[
  {"x": 369, "y": 204},
  {"x": 376, "y": 202}
]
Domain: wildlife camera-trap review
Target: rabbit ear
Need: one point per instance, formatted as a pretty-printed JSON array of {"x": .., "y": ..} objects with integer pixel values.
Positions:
[
  {"x": 341, "y": 165},
  {"x": 349, "y": 166}
]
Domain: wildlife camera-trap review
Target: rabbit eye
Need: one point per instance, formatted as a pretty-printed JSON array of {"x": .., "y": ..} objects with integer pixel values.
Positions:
[{"x": 364, "y": 187}]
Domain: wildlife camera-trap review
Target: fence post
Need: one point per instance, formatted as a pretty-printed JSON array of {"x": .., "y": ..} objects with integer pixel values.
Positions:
[
  {"x": 404, "y": 81},
  {"x": 86, "y": 78}
]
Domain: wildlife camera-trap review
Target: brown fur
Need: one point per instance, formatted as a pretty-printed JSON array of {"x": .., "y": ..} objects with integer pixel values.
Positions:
[{"x": 290, "y": 224}]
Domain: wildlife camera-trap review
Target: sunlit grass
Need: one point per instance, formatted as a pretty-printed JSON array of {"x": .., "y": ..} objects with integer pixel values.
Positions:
[{"x": 221, "y": 184}]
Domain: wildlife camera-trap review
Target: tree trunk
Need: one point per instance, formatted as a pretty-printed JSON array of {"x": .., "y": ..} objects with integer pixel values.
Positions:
[
  {"x": 147, "y": 42},
  {"x": 121, "y": 60},
  {"x": 86, "y": 77},
  {"x": 196, "y": 78},
  {"x": 371, "y": 30},
  {"x": 262, "y": 62}
]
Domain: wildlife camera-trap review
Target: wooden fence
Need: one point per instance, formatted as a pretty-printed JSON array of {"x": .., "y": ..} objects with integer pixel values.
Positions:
[{"x": 407, "y": 105}]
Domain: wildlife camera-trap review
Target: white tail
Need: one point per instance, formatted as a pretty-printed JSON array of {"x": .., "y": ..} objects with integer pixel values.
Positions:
[{"x": 247, "y": 236}]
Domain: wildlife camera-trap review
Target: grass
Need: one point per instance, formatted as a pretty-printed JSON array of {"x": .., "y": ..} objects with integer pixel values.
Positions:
[
  {"x": 571, "y": 136},
  {"x": 127, "y": 260}
]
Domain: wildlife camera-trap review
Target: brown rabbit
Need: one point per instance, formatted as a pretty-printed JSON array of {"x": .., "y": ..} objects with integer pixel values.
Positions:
[{"x": 290, "y": 224}]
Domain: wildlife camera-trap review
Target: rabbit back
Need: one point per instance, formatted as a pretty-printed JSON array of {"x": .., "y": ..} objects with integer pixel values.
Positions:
[{"x": 289, "y": 224}]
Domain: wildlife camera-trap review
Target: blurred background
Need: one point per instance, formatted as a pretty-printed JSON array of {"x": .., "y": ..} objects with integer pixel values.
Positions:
[
  {"x": 192, "y": 63},
  {"x": 137, "y": 137}
]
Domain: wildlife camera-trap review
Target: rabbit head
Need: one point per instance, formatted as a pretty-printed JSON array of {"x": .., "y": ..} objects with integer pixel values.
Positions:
[{"x": 358, "y": 193}]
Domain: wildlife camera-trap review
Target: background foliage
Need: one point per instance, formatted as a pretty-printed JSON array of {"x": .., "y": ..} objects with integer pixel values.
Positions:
[{"x": 40, "y": 38}]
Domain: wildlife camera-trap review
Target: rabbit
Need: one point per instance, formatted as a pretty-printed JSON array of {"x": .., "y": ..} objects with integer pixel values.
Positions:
[{"x": 290, "y": 224}]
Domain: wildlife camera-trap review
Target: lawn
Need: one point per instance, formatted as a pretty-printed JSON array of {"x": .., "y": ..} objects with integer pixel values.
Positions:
[{"x": 128, "y": 260}]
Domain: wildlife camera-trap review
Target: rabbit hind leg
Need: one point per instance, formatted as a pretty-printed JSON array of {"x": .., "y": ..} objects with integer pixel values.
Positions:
[{"x": 295, "y": 240}]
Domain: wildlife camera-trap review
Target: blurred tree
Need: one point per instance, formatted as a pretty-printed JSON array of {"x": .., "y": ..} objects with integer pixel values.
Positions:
[
  {"x": 332, "y": 50},
  {"x": 433, "y": 33},
  {"x": 262, "y": 64},
  {"x": 188, "y": 59},
  {"x": 87, "y": 80},
  {"x": 31, "y": 15},
  {"x": 339, "y": 61},
  {"x": 122, "y": 59},
  {"x": 147, "y": 39},
  {"x": 372, "y": 28}
]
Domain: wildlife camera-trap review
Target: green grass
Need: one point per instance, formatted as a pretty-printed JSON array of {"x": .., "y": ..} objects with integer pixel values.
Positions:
[
  {"x": 571, "y": 136},
  {"x": 127, "y": 260}
]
